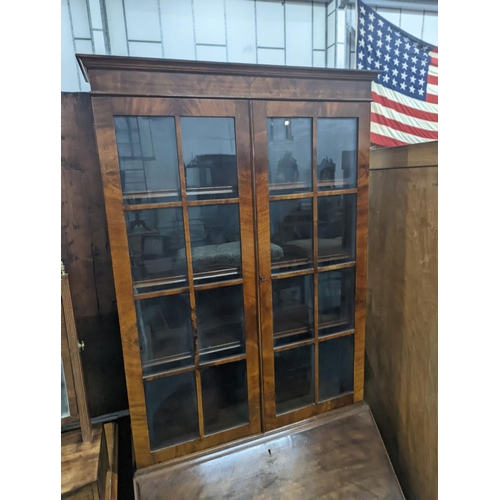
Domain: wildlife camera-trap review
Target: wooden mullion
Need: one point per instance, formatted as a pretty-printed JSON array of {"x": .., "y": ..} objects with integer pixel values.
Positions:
[
  {"x": 189, "y": 264},
  {"x": 335, "y": 267},
  {"x": 161, "y": 293},
  {"x": 294, "y": 345},
  {"x": 292, "y": 274},
  {"x": 315, "y": 255}
]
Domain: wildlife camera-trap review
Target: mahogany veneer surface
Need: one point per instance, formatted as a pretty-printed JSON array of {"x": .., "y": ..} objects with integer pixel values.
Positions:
[{"x": 335, "y": 456}]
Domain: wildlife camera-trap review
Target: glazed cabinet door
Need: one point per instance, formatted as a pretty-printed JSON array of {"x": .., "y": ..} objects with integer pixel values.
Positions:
[
  {"x": 177, "y": 183},
  {"x": 311, "y": 166}
]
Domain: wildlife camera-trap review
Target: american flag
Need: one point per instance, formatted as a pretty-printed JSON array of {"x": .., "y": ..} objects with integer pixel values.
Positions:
[{"x": 405, "y": 93}]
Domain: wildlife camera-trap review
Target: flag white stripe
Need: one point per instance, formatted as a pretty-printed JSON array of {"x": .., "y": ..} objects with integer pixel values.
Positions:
[
  {"x": 400, "y": 117},
  {"x": 433, "y": 70},
  {"x": 432, "y": 89},
  {"x": 428, "y": 107},
  {"x": 376, "y": 128},
  {"x": 433, "y": 54}
]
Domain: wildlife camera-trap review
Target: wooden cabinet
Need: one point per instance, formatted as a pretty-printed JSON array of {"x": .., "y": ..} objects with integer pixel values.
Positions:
[{"x": 236, "y": 200}]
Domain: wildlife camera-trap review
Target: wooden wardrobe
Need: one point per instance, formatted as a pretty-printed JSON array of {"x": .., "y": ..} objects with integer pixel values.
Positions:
[{"x": 237, "y": 203}]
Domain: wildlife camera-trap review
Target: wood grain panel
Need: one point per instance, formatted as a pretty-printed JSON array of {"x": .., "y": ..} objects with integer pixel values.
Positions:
[
  {"x": 414, "y": 155},
  {"x": 86, "y": 255},
  {"x": 401, "y": 335},
  {"x": 338, "y": 457}
]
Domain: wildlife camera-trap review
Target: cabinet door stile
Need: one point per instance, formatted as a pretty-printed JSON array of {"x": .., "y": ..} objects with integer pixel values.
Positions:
[{"x": 108, "y": 155}]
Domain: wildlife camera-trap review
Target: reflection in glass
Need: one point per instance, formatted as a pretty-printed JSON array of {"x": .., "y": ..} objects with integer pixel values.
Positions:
[
  {"x": 337, "y": 153},
  {"x": 224, "y": 391},
  {"x": 291, "y": 235},
  {"x": 292, "y": 309},
  {"x": 172, "y": 410},
  {"x": 294, "y": 380},
  {"x": 165, "y": 333},
  {"x": 215, "y": 242},
  {"x": 336, "y": 361},
  {"x": 336, "y": 228},
  {"x": 336, "y": 301},
  {"x": 147, "y": 155},
  {"x": 156, "y": 247},
  {"x": 209, "y": 151},
  {"x": 220, "y": 320},
  {"x": 64, "y": 394},
  {"x": 289, "y": 150}
]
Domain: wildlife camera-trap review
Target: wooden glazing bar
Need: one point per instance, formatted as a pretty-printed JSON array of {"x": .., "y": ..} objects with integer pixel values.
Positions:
[
  {"x": 161, "y": 293},
  {"x": 199, "y": 397},
  {"x": 334, "y": 267},
  {"x": 150, "y": 206},
  {"x": 219, "y": 284},
  {"x": 189, "y": 263},
  {"x": 291, "y": 196},
  {"x": 223, "y": 361},
  {"x": 291, "y": 274},
  {"x": 168, "y": 373},
  {"x": 294, "y": 345},
  {"x": 336, "y": 335},
  {"x": 218, "y": 201},
  {"x": 315, "y": 256},
  {"x": 337, "y": 192}
]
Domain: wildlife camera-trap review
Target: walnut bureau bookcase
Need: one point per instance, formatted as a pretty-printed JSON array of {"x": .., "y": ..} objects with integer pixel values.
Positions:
[{"x": 237, "y": 203}]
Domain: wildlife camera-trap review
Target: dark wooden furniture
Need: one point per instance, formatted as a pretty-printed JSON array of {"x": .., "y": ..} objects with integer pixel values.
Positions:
[
  {"x": 335, "y": 456},
  {"x": 237, "y": 316},
  {"x": 89, "y": 466}
]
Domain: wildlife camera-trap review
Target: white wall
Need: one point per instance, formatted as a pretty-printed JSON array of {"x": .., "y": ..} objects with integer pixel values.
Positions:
[
  {"x": 245, "y": 31},
  {"x": 288, "y": 32}
]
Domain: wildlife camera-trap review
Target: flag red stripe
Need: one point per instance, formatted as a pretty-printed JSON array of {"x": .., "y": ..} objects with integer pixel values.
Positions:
[
  {"x": 432, "y": 79},
  {"x": 434, "y": 49},
  {"x": 382, "y": 140},
  {"x": 432, "y": 98},
  {"x": 434, "y": 62},
  {"x": 406, "y": 110},
  {"x": 394, "y": 124}
]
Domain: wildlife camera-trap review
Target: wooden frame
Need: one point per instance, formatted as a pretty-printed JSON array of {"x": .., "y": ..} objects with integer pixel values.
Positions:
[
  {"x": 72, "y": 365},
  {"x": 248, "y": 93},
  {"x": 360, "y": 111},
  {"x": 104, "y": 110}
]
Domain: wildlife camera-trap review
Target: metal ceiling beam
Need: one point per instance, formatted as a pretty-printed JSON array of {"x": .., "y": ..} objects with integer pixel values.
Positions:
[{"x": 396, "y": 4}]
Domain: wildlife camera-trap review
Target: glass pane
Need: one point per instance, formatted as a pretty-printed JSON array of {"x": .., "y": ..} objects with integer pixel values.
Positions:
[
  {"x": 336, "y": 228},
  {"x": 291, "y": 235},
  {"x": 156, "y": 247},
  {"x": 294, "y": 378},
  {"x": 147, "y": 155},
  {"x": 215, "y": 242},
  {"x": 209, "y": 150},
  {"x": 64, "y": 394},
  {"x": 337, "y": 153},
  {"x": 225, "y": 402},
  {"x": 336, "y": 362},
  {"x": 293, "y": 313},
  {"x": 289, "y": 150},
  {"x": 172, "y": 410},
  {"x": 219, "y": 315},
  {"x": 165, "y": 333},
  {"x": 336, "y": 301}
]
